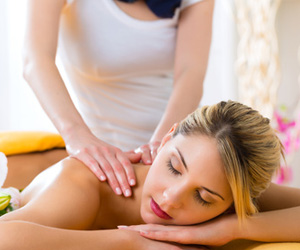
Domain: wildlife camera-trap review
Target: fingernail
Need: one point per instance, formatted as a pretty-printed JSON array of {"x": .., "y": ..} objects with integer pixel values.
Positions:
[
  {"x": 132, "y": 182},
  {"x": 149, "y": 161},
  {"x": 122, "y": 227},
  {"x": 127, "y": 192},
  {"x": 102, "y": 178},
  {"x": 118, "y": 191}
]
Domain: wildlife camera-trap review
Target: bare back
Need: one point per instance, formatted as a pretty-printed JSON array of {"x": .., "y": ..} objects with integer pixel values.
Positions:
[{"x": 68, "y": 195}]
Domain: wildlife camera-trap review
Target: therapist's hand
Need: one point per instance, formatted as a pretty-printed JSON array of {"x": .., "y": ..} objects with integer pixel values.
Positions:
[
  {"x": 216, "y": 232},
  {"x": 148, "y": 152},
  {"x": 104, "y": 160}
]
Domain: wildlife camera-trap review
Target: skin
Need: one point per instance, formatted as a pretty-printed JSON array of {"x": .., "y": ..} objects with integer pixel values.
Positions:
[
  {"x": 277, "y": 221},
  {"x": 49, "y": 201},
  {"x": 49, "y": 210},
  {"x": 40, "y": 71},
  {"x": 183, "y": 194}
]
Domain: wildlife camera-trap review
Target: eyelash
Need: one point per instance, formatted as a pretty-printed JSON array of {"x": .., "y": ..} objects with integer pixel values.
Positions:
[
  {"x": 200, "y": 199},
  {"x": 197, "y": 195},
  {"x": 172, "y": 169}
]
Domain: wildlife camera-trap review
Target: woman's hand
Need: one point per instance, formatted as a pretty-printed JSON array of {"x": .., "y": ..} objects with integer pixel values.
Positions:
[
  {"x": 148, "y": 152},
  {"x": 104, "y": 160},
  {"x": 216, "y": 232}
]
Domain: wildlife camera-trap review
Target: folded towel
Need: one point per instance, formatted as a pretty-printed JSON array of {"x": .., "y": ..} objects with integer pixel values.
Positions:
[
  {"x": 20, "y": 142},
  {"x": 254, "y": 245}
]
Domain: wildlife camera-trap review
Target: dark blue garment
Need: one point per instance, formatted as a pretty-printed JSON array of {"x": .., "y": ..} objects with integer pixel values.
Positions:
[{"x": 161, "y": 8}]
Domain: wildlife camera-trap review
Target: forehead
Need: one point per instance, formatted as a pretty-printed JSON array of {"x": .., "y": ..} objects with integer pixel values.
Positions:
[
  {"x": 203, "y": 160},
  {"x": 197, "y": 149}
]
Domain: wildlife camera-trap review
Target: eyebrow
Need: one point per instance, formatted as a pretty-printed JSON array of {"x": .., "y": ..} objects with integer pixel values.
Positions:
[
  {"x": 205, "y": 188},
  {"x": 182, "y": 159}
]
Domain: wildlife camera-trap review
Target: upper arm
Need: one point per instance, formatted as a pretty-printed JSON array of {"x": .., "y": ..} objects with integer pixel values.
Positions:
[
  {"x": 194, "y": 37},
  {"x": 64, "y": 196},
  {"x": 279, "y": 197},
  {"x": 42, "y": 27}
]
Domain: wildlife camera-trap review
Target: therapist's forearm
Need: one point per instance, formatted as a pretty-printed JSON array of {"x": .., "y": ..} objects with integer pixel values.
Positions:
[
  {"x": 185, "y": 98},
  {"x": 44, "y": 78},
  {"x": 39, "y": 68},
  {"x": 278, "y": 225}
]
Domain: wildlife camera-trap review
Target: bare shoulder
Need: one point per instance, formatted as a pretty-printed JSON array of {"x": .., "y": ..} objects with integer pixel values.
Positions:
[
  {"x": 67, "y": 170},
  {"x": 65, "y": 191},
  {"x": 69, "y": 190}
]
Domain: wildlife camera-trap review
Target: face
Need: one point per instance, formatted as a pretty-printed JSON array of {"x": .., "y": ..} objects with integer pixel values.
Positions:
[{"x": 186, "y": 183}]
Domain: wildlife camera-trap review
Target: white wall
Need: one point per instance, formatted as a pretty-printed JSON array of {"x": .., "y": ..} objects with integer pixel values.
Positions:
[
  {"x": 220, "y": 82},
  {"x": 288, "y": 27},
  {"x": 4, "y": 75},
  {"x": 19, "y": 108}
]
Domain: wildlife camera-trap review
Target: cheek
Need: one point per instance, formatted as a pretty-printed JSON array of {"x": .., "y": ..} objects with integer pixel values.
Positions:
[
  {"x": 150, "y": 184},
  {"x": 156, "y": 175},
  {"x": 191, "y": 218},
  {"x": 194, "y": 213}
]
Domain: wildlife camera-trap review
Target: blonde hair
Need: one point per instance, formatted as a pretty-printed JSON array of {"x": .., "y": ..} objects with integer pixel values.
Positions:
[{"x": 249, "y": 148}]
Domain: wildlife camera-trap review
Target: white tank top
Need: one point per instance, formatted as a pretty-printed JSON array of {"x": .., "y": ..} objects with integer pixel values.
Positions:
[{"x": 118, "y": 69}]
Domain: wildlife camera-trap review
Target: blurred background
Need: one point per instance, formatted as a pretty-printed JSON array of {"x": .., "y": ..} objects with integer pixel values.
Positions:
[{"x": 254, "y": 58}]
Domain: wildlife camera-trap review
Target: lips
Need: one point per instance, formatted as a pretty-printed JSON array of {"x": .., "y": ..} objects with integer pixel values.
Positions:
[{"x": 157, "y": 210}]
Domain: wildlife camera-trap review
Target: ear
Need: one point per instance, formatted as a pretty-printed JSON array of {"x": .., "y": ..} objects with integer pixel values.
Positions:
[{"x": 168, "y": 136}]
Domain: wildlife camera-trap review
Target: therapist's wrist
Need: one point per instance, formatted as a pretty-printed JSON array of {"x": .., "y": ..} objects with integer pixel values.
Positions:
[
  {"x": 71, "y": 130},
  {"x": 155, "y": 140}
]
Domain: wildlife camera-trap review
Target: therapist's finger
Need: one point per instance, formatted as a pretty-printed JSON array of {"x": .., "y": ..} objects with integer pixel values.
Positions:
[
  {"x": 91, "y": 163},
  {"x": 154, "y": 147},
  {"x": 146, "y": 154},
  {"x": 134, "y": 157},
  {"x": 130, "y": 174},
  {"x": 110, "y": 174},
  {"x": 120, "y": 174}
]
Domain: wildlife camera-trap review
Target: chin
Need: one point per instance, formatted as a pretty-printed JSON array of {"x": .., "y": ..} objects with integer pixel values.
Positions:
[{"x": 149, "y": 218}]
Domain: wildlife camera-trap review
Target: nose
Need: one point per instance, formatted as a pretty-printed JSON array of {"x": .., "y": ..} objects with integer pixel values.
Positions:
[{"x": 172, "y": 198}]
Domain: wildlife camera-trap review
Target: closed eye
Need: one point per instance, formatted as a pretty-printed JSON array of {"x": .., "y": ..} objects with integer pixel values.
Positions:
[
  {"x": 197, "y": 194},
  {"x": 172, "y": 169},
  {"x": 199, "y": 199}
]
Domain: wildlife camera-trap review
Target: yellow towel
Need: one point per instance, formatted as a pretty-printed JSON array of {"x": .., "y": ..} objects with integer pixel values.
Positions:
[
  {"x": 254, "y": 245},
  {"x": 20, "y": 142}
]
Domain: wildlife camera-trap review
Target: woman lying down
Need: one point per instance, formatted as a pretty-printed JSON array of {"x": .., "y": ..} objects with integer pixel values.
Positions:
[{"x": 207, "y": 179}]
